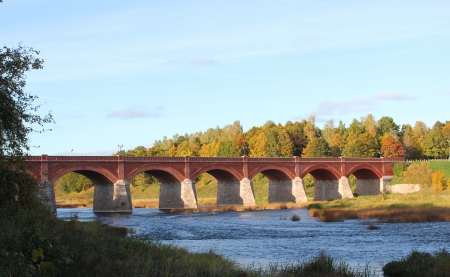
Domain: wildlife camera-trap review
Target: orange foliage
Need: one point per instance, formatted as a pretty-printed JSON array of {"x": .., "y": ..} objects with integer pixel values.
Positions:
[{"x": 392, "y": 148}]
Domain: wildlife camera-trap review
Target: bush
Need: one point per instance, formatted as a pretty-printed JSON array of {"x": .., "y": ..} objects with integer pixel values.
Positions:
[
  {"x": 419, "y": 264},
  {"x": 399, "y": 168},
  {"x": 418, "y": 173},
  {"x": 295, "y": 217},
  {"x": 438, "y": 180},
  {"x": 324, "y": 265},
  {"x": 308, "y": 181}
]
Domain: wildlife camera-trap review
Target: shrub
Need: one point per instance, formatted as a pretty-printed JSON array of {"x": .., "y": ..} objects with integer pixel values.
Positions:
[
  {"x": 399, "y": 168},
  {"x": 418, "y": 173},
  {"x": 438, "y": 180},
  {"x": 419, "y": 264},
  {"x": 295, "y": 217},
  {"x": 308, "y": 181},
  {"x": 324, "y": 265}
]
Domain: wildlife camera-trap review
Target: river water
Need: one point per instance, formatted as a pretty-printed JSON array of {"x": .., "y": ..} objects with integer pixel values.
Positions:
[{"x": 261, "y": 237}]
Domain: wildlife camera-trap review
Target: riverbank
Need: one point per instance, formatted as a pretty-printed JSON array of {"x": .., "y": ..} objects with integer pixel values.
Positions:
[{"x": 423, "y": 206}]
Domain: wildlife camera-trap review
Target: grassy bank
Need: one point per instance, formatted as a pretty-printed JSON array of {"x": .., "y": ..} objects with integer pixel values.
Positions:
[
  {"x": 74, "y": 248},
  {"x": 423, "y": 206}
]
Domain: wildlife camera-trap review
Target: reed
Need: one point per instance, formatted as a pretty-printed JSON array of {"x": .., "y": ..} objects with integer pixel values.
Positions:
[
  {"x": 397, "y": 215},
  {"x": 295, "y": 217}
]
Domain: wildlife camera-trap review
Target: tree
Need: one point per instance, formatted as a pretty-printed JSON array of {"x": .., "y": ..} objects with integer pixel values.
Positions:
[
  {"x": 392, "y": 148},
  {"x": 18, "y": 118},
  {"x": 438, "y": 180},
  {"x": 257, "y": 145},
  {"x": 336, "y": 144},
  {"x": 387, "y": 125},
  {"x": 365, "y": 145},
  {"x": 317, "y": 147},
  {"x": 435, "y": 144}
]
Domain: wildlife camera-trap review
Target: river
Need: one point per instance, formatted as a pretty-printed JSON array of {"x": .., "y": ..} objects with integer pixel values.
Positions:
[{"x": 261, "y": 237}]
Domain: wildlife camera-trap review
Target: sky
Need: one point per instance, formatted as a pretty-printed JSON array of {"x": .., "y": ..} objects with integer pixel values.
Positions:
[{"x": 129, "y": 73}]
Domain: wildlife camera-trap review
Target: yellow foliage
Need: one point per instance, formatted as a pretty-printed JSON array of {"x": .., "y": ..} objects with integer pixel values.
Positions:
[{"x": 438, "y": 180}]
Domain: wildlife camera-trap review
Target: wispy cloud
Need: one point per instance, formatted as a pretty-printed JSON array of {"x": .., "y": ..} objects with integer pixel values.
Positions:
[
  {"x": 137, "y": 113},
  {"x": 329, "y": 108},
  {"x": 195, "y": 61},
  {"x": 389, "y": 95}
]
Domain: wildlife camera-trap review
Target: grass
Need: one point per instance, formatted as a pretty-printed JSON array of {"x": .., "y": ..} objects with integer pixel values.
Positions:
[
  {"x": 423, "y": 206},
  {"x": 443, "y": 165}
]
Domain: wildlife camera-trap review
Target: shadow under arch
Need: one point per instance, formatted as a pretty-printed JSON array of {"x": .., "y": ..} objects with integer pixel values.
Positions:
[
  {"x": 164, "y": 174},
  {"x": 365, "y": 172},
  {"x": 322, "y": 172},
  {"x": 220, "y": 172},
  {"x": 273, "y": 173},
  {"x": 97, "y": 175}
]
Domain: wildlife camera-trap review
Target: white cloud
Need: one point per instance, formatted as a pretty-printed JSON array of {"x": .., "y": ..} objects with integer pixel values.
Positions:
[
  {"x": 137, "y": 113},
  {"x": 389, "y": 95}
]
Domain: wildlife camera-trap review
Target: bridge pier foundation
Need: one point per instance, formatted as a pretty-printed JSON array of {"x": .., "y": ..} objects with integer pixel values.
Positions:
[
  {"x": 287, "y": 191},
  {"x": 235, "y": 193},
  {"x": 112, "y": 198},
  {"x": 332, "y": 189},
  {"x": 46, "y": 193},
  {"x": 372, "y": 186},
  {"x": 177, "y": 195}
]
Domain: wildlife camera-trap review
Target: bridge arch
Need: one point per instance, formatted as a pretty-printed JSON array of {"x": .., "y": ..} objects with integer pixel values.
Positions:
[
  {"x": 98, "y": 175},
  {"x": 220, "y": 172},
  {"x": 322, "y": 172},
  {"x": 273, "y": 173},
  {"x": 164, "y": 174},
  {"x": 365, "y": 171}
]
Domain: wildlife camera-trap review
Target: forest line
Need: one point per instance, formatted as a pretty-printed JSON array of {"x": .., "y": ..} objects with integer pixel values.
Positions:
[{"x": 366, "y": 137}]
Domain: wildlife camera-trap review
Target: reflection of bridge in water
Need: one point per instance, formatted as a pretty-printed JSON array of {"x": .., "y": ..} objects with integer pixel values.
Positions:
[{"x": 111, "y": 175}]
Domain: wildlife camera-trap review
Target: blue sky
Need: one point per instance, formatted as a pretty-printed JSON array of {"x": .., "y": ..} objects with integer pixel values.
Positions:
[{"x": 132, "y": 72}]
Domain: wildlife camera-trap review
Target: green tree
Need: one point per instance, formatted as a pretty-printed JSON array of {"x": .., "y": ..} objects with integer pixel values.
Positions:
[
  {"x": 317, "y": 147},
  {"x": 387, "y": 125},
  {"x": 435, "y": 144},
  {"x": 18, "y": 118}
]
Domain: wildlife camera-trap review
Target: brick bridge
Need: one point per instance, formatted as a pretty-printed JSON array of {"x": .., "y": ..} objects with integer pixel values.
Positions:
[{"x": 111, "y": 175}]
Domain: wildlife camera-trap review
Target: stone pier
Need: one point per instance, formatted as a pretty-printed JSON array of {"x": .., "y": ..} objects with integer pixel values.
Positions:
[
  {"x": 112, "y": 197},
  {"x": 178, "y": 195},
  {"x": 235, "y": 193},
  {"x": 332, "y": 189},
  {"x": 287, "y": 191}
]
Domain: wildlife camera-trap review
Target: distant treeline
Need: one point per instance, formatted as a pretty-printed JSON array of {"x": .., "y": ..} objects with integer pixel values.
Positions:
[{"x": 366, "y": 137}]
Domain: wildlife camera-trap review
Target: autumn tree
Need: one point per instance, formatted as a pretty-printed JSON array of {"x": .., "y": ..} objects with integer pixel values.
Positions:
[
  {"x": 257, "y": 145},
  {"x": 336, "y": 144},
  {"x": 392, "y": 148},
  {"x": 412, "y": 147},
  {"x": 438, "y": 181},
  {"x": 328, "y": 130},
  {"x": 420, "y": 130}
]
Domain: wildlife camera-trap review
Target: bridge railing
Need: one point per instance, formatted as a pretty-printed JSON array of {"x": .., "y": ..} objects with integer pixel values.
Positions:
[{"x": 208, "y": 159}]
